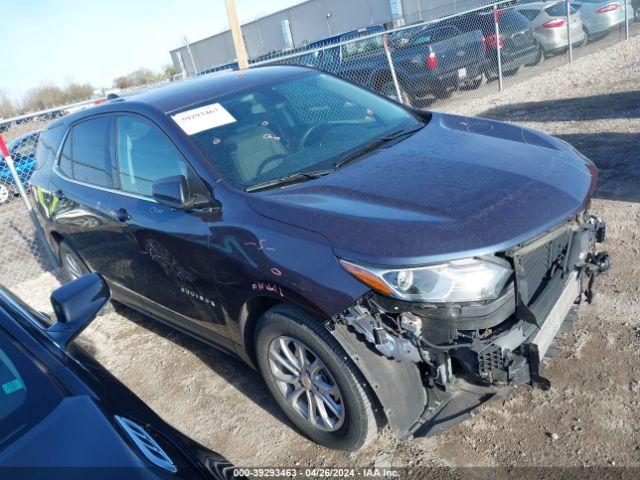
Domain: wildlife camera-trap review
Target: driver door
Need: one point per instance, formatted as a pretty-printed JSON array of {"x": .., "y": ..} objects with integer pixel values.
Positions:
[{"x": 163, "y": 251}]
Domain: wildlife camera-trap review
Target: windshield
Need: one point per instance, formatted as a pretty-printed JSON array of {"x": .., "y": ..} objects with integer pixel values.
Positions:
[
  {"x": 302, "y": 124},
  {"x": 26, "y": 394}
]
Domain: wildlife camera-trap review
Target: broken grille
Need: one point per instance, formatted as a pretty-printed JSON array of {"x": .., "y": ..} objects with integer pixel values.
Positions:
[
  {"x": 537, "y": 265},
  {"x": 490, "y": 360}
]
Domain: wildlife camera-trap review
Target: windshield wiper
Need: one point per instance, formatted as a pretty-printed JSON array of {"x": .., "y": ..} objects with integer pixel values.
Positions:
[
  {"x": 290, "y": 179},
  {"x": 374, "y": 145}
]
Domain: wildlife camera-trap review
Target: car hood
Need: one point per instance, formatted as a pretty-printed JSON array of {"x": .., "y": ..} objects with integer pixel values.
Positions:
[{"x": 461, "y": 186}]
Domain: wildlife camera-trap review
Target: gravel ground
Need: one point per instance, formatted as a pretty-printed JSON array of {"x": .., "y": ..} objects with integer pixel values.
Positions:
[{"x": 591, "y": 415}]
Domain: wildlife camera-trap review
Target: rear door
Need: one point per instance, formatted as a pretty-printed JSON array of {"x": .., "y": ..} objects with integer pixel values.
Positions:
[
  {"x": 80, "y": 190},
  {"x": 163, "y": 251}
]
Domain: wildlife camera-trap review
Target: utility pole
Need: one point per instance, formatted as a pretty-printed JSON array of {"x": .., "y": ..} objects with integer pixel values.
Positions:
[
  {"x": 236, "y": 33},
  {"x": 193, "y": 62}
]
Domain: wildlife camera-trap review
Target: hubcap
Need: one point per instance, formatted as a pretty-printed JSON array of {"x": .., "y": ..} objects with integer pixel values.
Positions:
[
  {"x": 72, "y": 266},
  {"x": 4, "y": 194},
  {"x": 306, "y": 383}
]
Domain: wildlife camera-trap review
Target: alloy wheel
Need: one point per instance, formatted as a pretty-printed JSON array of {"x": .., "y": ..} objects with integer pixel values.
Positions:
[
  {"x": 4, "y": 194},
  {"x": 306, "y": 383}
]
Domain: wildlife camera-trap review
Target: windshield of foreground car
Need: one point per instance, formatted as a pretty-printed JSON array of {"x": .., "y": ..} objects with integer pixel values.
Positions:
[{"x": 303, "y": 124}]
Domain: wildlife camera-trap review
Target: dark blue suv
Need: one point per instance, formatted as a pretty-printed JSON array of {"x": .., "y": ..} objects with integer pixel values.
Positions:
[{"x": 376, "y": 263}]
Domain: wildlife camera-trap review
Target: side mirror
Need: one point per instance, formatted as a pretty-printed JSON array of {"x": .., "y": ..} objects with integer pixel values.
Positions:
[
  {"x": 176, "y": 193},
  {"x": 171, "y": 191},
  {"x": 76, "y": 304}
]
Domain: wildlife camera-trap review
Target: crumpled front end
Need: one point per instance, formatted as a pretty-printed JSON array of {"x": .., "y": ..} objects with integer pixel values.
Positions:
[{"x": 432, "y": 364}]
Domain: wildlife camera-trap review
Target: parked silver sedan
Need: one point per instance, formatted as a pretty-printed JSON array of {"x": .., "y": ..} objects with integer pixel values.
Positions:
[
  {"x": 549, "y": 22},
  {"x": 600, "y": 16}
]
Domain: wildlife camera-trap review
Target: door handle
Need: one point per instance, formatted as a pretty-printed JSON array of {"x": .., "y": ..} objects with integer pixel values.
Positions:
[{"x": 122, "y": 215}]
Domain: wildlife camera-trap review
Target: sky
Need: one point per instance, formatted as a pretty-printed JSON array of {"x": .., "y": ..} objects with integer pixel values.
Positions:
[{"x": 93, "y": 41}]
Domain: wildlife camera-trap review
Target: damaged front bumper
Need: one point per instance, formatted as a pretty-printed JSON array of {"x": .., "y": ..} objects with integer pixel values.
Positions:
[{"x": 432, "y": 364}]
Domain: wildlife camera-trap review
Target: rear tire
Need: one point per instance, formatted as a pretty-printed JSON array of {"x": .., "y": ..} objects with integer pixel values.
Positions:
[
  {"x": 512, "y": 72},
  {"x": 538, "y": 58},
  {"x": 71, "y": 262},
  {"x": 443, "y": 92},
  {"x": 346, "y": 421},
  {"x": 477, "y": 83},
  {"x": 75, "y": 268}
]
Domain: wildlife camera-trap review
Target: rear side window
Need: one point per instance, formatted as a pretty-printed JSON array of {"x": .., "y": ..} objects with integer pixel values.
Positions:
[
  {"x": 357, "y": 47},
  {"x": 144, "y": 155},
  {"x": 513, "y": 20},
  {"x": 65, "y": 164},
  {"x": 559, "y": 10},
  {"x": 435, "y": 35},
  {"x": 86, "y": 155},
  {"x": 45, "y": 152},
  {"x": 530, "y": 14}
]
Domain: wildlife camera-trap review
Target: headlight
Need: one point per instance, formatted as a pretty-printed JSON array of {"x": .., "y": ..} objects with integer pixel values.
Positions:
[{"x": 466, "y": 280}]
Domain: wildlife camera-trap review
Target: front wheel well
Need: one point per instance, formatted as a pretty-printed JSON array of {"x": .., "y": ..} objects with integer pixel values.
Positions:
[{"x": 251, "y": 313}]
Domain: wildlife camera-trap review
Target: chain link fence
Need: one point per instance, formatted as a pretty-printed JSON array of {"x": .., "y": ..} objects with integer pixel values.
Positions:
[
  {"x": 25, "y": 253},
  {"x": 463, "y": 55},
  {"x": 429, "y": 63}
]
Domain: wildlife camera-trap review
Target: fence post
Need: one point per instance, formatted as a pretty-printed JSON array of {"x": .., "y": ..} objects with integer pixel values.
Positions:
[
  {"x": 626, "y": 20},
  {"x": 496, "y": 18},
  {"x": 16, "y": 178},
  {"x": 392, "y": 69},
  {"x": 569, "y": 31}
]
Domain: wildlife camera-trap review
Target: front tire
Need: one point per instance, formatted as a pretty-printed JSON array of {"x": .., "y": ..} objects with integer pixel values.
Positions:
[
  {"x": 6, "y": 193},
  {"x": 313, "y": 380}
]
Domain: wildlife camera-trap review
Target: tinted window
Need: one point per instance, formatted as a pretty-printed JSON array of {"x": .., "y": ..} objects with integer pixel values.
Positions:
[
  {"x": 65, "y": 164},
  {"x": 513, "y": 20},
  {"x": 559, "y": 10},
  {"x": 474, "y": 21},
  {"x": 444, "y": 33},
  {"x": 92, "y": 151},
  {"x": 45, "y": 153},
  {"x": 530, "y": 14},
  {"x": 86, "y": 155},
  {"x": 302, "y": 123},
  {"x": 145, "y": 155},
  {"x": 26, "y": 394},
  {"x": 358, "y": 47}
]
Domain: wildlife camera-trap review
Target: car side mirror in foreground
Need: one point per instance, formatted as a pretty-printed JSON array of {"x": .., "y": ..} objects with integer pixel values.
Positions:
[
  {"x": 175, "y": 192},
  {"x": 76, "y": 304}
]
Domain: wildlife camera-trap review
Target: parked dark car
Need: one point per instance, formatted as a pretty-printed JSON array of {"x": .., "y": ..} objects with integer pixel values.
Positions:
[
  {"x": 62, "y": 415},
  {"x": 433, "y": 60},
  {"x": 518, "y": 45},
  {"x": 375, "y": 262},
  {"x": 23, "y": 153}
]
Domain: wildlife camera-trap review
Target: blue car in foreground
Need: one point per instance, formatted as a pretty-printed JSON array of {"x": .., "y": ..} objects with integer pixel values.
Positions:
[
  {"x": 62, "y": 415},
  {"x": 376, "y": 263},
  {"x": 23, "y": 152}
]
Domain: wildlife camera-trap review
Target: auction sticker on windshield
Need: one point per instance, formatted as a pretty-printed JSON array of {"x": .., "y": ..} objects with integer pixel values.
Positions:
[{"x": 203, "y": 118}]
